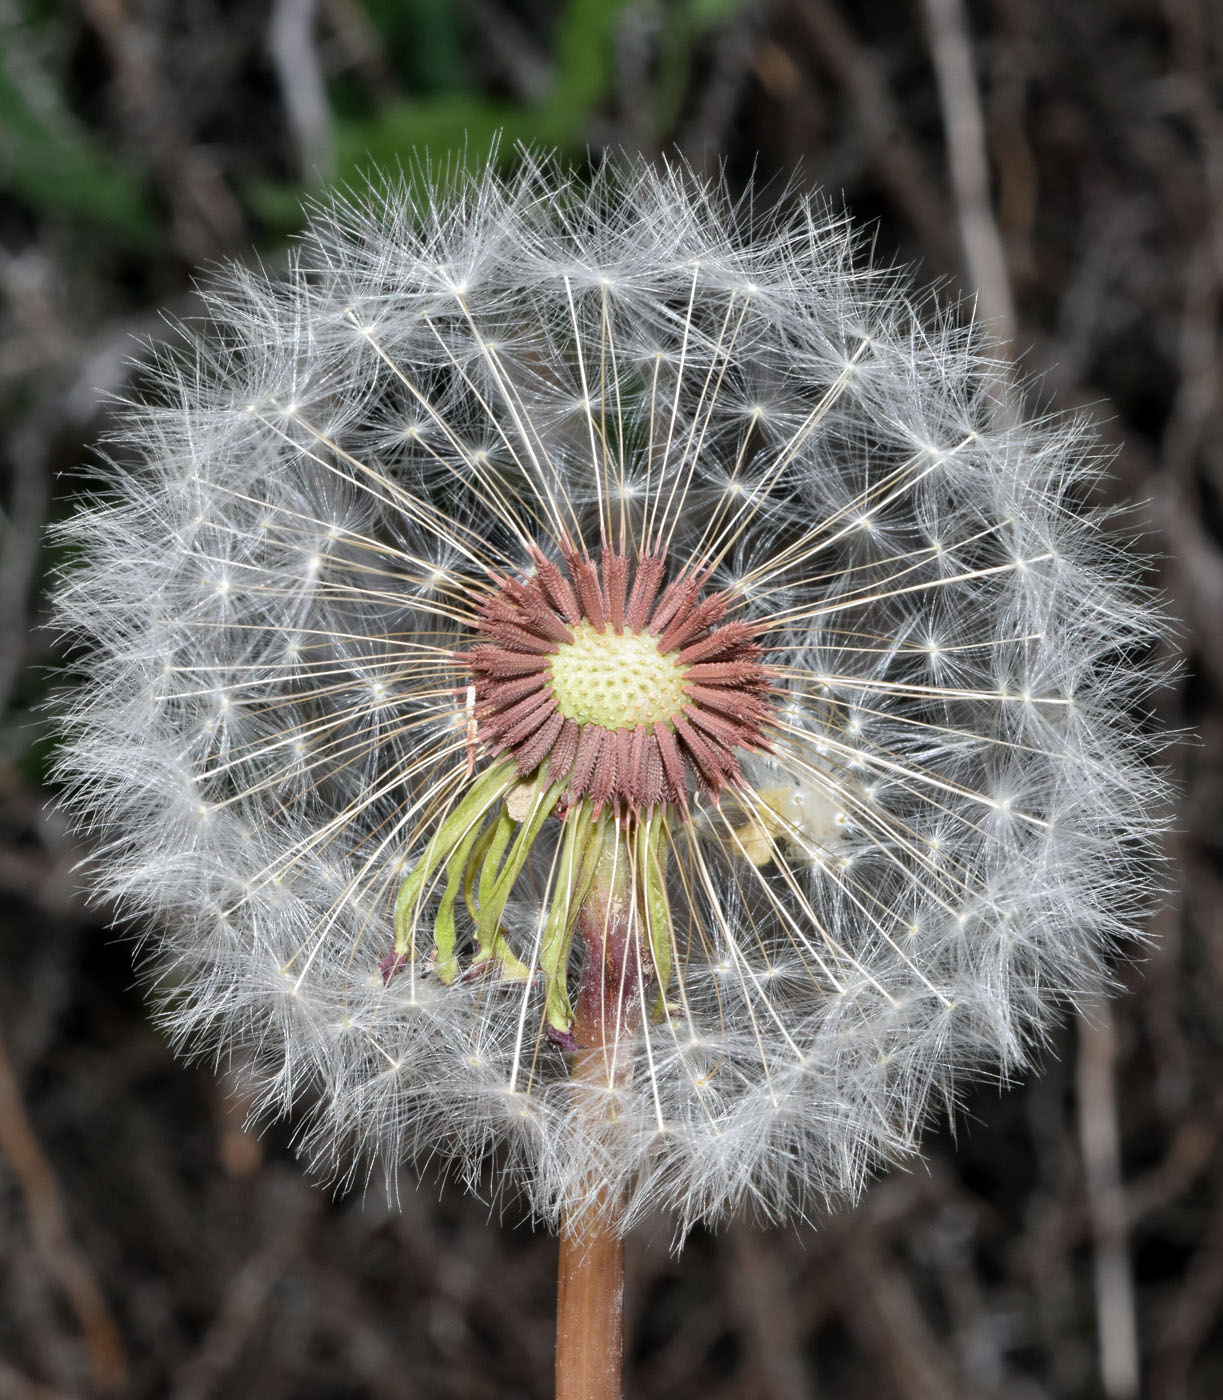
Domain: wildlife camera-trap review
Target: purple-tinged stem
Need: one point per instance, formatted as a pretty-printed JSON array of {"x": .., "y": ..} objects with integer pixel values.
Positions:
[{"x": 590, "y": 1284}]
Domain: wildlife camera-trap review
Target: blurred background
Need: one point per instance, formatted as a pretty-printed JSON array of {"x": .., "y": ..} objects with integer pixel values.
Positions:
[{"x": 1063, "y": 162}]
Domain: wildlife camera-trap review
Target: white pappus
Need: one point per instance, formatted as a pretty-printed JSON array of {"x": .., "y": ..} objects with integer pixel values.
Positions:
[{"x": 523, "y": 520}]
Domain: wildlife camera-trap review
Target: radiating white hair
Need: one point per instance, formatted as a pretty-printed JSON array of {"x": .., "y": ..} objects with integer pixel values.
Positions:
[{"x": 953, "y": 828}]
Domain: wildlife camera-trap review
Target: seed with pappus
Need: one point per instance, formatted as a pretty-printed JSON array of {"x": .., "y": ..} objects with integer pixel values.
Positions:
[{"x": 560, "y": 624}]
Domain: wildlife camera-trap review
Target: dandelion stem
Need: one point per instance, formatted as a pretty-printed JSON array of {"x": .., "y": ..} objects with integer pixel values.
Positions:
[
  {"x": 590, "y": 1283},
  {"x": 590, "y": 1304}
]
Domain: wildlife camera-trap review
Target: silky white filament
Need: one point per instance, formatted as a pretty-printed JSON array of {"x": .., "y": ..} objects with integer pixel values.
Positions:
[{"x": 948, "y": 835}]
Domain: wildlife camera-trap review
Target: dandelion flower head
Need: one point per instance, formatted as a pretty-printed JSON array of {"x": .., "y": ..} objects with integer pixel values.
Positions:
[{"x": 547, "y": 605}]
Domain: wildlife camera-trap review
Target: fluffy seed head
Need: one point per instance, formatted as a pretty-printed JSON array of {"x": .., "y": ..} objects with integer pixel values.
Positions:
[{"x": 549, "y": 605}]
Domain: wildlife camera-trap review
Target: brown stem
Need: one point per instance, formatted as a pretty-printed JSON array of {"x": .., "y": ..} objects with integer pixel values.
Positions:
[
  {"x": 590, "y": 1291},
  {"x": 590, "y": 1305},
  {"x": 50, "y": 1229}
]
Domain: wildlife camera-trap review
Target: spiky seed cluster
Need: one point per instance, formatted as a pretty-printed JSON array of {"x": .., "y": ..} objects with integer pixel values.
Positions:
[
  {"x": 369, "y": 799},
  {"x": 625, "y": 689}
]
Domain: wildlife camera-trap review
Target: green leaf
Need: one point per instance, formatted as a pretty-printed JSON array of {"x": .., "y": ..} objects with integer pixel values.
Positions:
[
  {"x": 583, "y": 59},
  {"x": 707, "y": 14},
  {"x": 51, "y": 163},
  {"x": 424, "y": 40}
]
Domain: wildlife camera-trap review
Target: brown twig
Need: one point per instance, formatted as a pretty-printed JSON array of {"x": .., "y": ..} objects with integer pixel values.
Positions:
[
  {"x": 761, "y": 1294},
  {"x": 896, "y": 156},
  {"x": 245, "y": 1301},
  {"x": 294, "y": 54},
  {"x": 15, "y": 1386},
  {"x": 49, "y": 1226},
  {"x": 964, "y": 126},
  {"x": 882, "y": 1312},
  {"x": 1099, "y": 1139}
]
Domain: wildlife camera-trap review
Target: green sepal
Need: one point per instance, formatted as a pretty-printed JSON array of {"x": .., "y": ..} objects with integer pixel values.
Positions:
[
  {"x": 494, "y": 890},
  {"x": 489, "y": 861},
  {"x": 656, "y": 908},
  {"x": 462, "y": 825},
  {"x": 482, "y": 865},
  {"x": 579, "y": 858},
  {"x": 446, "y": 965}
]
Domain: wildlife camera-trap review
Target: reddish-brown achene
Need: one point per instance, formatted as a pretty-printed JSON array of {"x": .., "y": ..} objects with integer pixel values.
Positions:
[{"x": 631, "y": 688}]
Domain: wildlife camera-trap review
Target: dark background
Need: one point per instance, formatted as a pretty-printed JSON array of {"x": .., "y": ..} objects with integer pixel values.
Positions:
[{"x": 1064, "y": 157}]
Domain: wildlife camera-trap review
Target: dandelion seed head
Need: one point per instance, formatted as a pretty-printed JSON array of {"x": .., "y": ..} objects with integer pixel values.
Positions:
[{"x": 529, "y": 540}]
